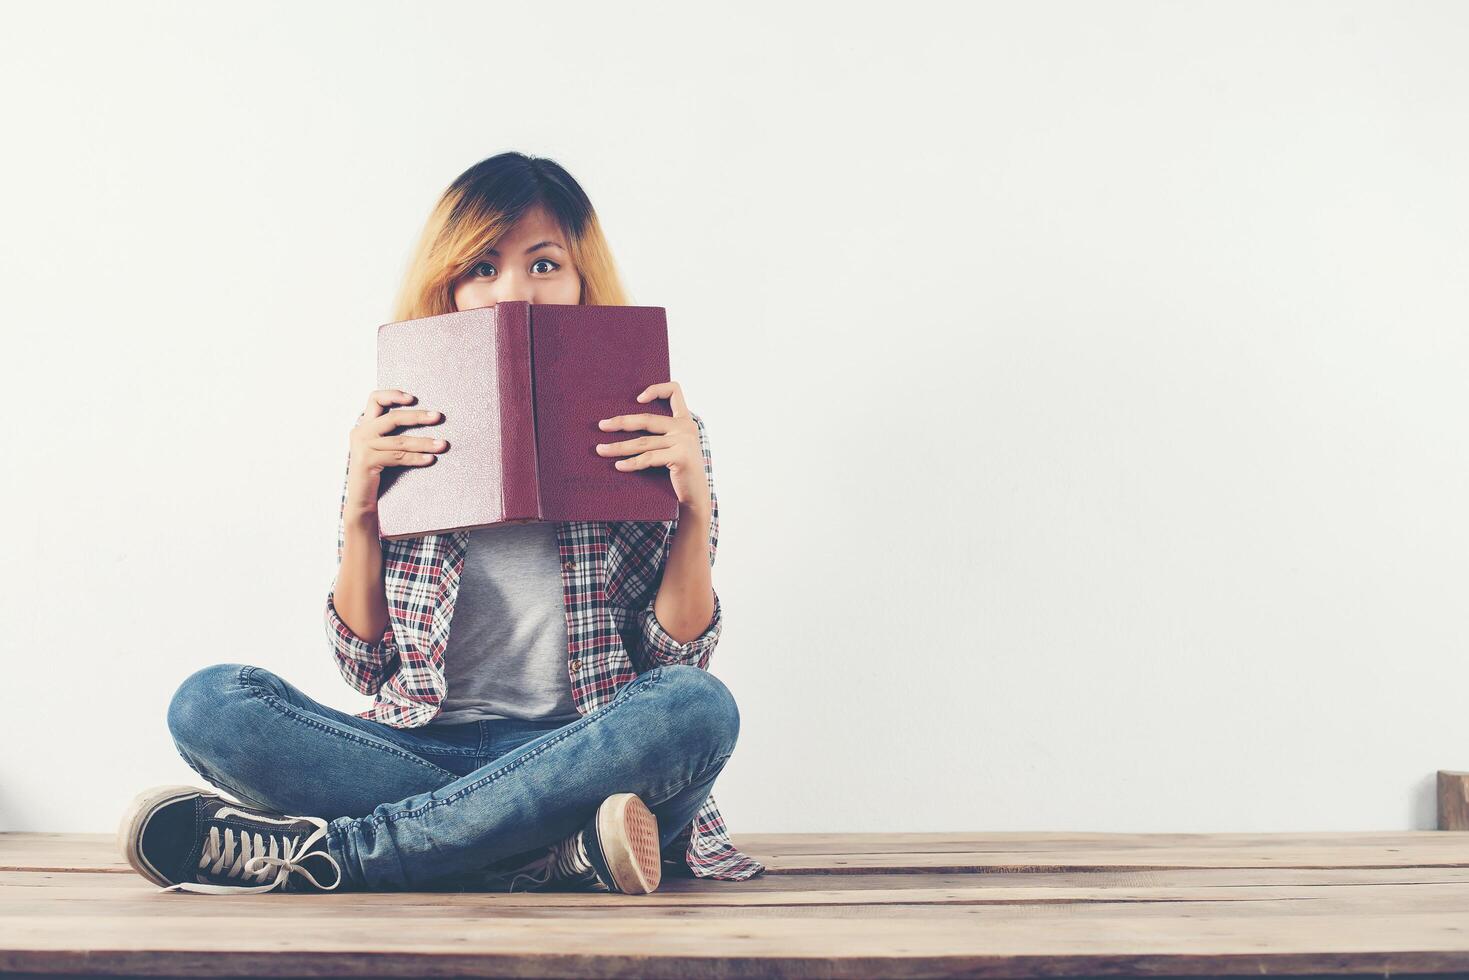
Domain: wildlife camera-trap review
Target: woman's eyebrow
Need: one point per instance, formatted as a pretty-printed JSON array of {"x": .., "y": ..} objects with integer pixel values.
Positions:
[{"x": 496, "y": 253}]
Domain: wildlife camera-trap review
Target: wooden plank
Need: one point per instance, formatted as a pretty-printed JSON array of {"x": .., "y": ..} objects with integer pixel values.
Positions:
[
  {"x": 1048, "y": 942},
  {"x": 721, "y": 890},
  {"x": 1019, "y": 905},
  {"x": 1453, "y": 800},
  {"x": 1259, "y": 900},
  {"x": 829, "y": 854},
  {"x": 830, "y": 843}
]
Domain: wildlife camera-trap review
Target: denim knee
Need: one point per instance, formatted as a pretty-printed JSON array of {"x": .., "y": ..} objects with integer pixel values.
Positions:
[
  {"x": 195, "y": 706},
  {"x": 709, "y": 702}
]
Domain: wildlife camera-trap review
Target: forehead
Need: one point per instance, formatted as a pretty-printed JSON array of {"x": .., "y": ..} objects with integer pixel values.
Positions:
[{"x": 536, "y": 224}]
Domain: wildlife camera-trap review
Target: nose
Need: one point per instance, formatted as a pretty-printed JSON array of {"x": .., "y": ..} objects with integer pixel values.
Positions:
[{"x": 514, "y": 288}]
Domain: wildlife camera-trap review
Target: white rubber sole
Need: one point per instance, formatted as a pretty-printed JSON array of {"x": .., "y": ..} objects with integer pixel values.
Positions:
[
  {"x": 628, "y": 833},
  {"x": 135, "y": 820}
]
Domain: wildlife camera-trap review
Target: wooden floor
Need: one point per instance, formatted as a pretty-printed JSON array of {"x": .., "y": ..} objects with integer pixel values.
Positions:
[{"x": 831, "y": 905}]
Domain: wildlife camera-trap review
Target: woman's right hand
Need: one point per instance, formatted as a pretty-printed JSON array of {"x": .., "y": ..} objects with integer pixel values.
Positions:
[{"x": 373, "y": 449}]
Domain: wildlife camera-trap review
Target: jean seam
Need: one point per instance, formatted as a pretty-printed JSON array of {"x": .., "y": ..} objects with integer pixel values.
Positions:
[
  {"x": 703, "y": 774},
  {"x": 712, "y": 768},
  {"x": 285, "y": 709},
  {"x": 645, "y": 682},
  {"x": 214, "y": 780}
]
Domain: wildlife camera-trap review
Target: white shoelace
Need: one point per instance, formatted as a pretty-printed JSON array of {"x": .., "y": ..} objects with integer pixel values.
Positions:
[
  {"x": 565, "y": 859},
  {"x": 248, "y": 858}
]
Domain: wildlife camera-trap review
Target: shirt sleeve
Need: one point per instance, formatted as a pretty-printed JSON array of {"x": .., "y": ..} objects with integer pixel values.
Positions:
[
  {"x": 363, "y": 665},
  {"x": 661, "y": 648},
  {"x": 658, "y": 646}
]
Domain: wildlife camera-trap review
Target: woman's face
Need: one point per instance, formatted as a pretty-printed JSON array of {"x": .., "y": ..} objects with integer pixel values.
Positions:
[{"x": 529, "y": 263}]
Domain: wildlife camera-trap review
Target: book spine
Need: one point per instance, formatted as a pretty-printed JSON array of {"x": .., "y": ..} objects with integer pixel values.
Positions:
[{"x": 517, "y": 412}]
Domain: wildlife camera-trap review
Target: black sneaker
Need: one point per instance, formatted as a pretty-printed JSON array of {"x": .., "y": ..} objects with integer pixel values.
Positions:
[
  {"x": 191, "y": 839},
  {"x": 615, "y": 851}
]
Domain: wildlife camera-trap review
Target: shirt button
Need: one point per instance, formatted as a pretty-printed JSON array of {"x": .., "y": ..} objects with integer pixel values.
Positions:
[
  {"x": 568, "y": 565},
  {"x": 576, "y": 665}
]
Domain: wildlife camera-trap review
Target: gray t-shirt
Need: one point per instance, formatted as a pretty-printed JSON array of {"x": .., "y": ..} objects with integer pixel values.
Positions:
[{"x": 507, "y": 650}]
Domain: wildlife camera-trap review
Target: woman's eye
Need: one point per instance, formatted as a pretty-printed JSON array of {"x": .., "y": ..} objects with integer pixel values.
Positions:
[{"x": 476, "y": 269}]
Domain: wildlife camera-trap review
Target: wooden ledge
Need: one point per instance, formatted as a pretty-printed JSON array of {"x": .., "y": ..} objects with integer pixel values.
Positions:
[{"x": 831, "y": 905}]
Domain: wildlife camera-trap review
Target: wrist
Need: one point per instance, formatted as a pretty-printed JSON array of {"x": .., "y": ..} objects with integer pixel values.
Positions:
[
  {"x": 698, "y": 510},
  {"x": 362, "y": 518}
]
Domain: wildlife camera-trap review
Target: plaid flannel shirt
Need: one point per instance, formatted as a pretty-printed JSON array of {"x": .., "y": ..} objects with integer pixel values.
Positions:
[{"x": 610, "y": 572}]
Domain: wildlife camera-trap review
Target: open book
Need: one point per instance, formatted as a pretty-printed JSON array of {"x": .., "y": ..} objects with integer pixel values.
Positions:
[{"x": 521, "y": 387}]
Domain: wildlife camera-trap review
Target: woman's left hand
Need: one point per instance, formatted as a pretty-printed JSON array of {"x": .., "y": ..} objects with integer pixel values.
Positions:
[{"x": 674, "y": 444}]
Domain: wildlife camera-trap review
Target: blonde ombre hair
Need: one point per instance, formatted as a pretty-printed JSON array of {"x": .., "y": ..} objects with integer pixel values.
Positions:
[{"x": 482, "y": 204}]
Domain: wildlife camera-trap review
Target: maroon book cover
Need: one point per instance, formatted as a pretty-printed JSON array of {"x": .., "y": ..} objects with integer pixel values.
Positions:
[{"x": 521, "y": 387}]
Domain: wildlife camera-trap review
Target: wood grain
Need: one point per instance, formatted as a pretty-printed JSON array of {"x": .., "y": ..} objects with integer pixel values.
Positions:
[
  {"x": 1453, "y": 800},
  {"x": 832, "y": 905}
]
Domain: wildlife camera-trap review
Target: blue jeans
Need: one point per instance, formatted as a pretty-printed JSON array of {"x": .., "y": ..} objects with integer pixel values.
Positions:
[{"x": 422, "y": 808}]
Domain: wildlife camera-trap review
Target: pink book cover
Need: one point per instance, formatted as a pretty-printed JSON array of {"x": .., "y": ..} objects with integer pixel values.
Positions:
[{"x": 521, "y": 387}]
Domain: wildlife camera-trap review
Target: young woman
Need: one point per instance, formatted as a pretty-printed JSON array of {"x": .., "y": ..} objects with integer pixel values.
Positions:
[{"x": 565, "y": 732}]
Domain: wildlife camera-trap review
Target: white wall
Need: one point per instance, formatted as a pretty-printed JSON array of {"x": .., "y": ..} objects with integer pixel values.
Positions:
[{"x": 1086, "y": 383}]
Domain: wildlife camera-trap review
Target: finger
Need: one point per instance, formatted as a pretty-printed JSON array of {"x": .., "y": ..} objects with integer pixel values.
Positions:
[
  {"x": 423, "y": 444},
  {"x": 661, "y": 457},
  {"x": 638, "y": 445},
  {"x": 400, "y": 417},
  {"x": 659, "y": 390},
  {"x": 398, "y": 457},
  {"x": 671, "y": 390},
  {"x": 676, "y": 403},
  {"x": 384, "y": 398},
  {"x": 639, "y": 420}
]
